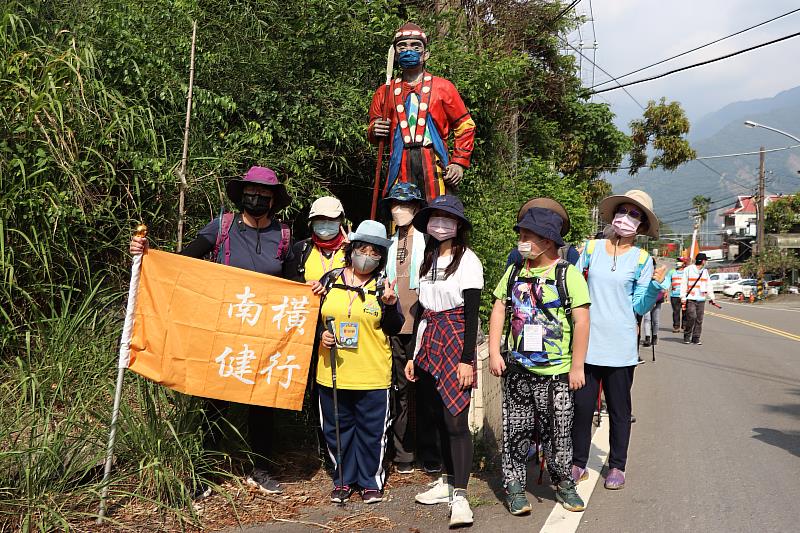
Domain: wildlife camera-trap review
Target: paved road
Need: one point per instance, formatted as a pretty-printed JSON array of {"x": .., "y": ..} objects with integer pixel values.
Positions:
[{"x": 717, "y": 444}]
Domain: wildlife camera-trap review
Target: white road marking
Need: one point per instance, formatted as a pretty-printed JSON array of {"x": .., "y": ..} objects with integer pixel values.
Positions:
[
  {"x": 563, "y": 521},
  {"x": 753, "y": 306}
]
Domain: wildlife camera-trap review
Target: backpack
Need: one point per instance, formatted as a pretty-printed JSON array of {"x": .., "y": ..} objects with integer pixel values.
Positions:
[
  {"x": 226, "y": 222},
  {"x": 560, "y": 283}
]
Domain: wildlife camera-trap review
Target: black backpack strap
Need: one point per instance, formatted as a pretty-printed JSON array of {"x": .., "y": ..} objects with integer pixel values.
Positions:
[
  {"x": 563, "y": 295},
  {"x": 305, "y": 251},
  {"x": 512, "y": 279}
]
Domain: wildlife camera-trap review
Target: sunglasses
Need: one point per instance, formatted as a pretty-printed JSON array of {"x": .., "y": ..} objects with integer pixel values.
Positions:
[{"x": 635, "y": 213}]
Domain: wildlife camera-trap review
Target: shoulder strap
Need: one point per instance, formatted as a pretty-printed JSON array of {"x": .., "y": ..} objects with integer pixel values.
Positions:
[
  {"x": 563, "y": 295},
  {"x": 305, "y": 251},
  {"x": 644, "y": 256},
  {"x": 225, "y": 223},
  {"x": 588, "y": 250},
  {"x": 283, "y": 246},
  {"x": 512, "y": 278}
]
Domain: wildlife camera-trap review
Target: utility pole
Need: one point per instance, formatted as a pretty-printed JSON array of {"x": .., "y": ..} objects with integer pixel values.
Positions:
[{"x": 760, "y": 229}]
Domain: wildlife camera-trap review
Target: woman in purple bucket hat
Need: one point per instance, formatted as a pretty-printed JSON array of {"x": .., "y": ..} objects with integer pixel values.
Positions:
[{"x": 252, "y": 239}]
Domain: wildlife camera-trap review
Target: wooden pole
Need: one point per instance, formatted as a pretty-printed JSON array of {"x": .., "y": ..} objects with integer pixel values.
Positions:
[{"x": 185, "y": 156}]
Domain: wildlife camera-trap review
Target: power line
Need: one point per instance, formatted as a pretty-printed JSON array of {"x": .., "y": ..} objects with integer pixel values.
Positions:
[
  {"x": 564, "y": 12},
  {"x": 604, "y": 71},
  {"x": 695, "y": 65},
  {"x": 698, "y": 47}
]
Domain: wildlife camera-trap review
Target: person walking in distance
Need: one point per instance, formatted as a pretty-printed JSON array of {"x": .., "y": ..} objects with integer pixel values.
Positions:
[
  {"x": 696, "y": 289},
  {"x": 451, "y": 279},
  {"x": 672, "y": 282},
  {"x": 622, "y": 284},
  {"x": 651, "y": 320}
]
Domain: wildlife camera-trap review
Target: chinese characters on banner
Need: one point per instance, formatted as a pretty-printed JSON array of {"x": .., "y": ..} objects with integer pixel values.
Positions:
[{"x": 221, "y": 332}]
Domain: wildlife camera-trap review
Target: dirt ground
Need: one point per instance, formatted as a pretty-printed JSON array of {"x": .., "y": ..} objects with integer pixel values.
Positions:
[{"x": 398, "y": 512}]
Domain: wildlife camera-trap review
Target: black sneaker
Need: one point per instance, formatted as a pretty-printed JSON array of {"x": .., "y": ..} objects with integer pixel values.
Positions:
[
  {"x": 404, "y": 468},
  {"x": 372, "y": 495},
  {"x": 431, "y": 467},
  {"x": 687, "y": 341},
  {"x": 341, "y": 494},
  {"x": 261, "y": 480},
  {"x": 201, "y": 492},
  {"x": 697, "y": 342}
]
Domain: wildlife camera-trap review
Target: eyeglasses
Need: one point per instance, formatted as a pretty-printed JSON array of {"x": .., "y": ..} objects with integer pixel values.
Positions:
[
  {"x": 370, "y": 251},
  {"x": 260, "y": 192},
  {"x": 635, "y": 213}
]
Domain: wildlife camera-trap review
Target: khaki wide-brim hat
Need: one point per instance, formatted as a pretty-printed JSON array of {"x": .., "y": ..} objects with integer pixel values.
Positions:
[
  {"x": 608, "y": 206},
  {"x": 546, "y": 203}
]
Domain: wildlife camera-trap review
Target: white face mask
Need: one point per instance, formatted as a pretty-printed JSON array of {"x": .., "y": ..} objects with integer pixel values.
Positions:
[
  {"x": 403, "y": 214},
  {"x": 442, "y": 228},
  {"x": 525, "y": 248}
]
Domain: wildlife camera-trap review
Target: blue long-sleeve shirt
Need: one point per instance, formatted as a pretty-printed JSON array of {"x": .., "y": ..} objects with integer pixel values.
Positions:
[{"x": 617, "y": 297}]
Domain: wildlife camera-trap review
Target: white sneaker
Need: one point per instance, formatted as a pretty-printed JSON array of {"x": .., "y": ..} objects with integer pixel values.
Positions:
[
  {"x": 439, "y": 492},
  {"x": 460, "y": 513}
]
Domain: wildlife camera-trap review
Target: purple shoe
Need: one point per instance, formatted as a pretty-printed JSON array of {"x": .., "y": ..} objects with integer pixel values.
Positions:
[
  {"x": 579, "y": 474},
  {"x": 615, "y": 479}
]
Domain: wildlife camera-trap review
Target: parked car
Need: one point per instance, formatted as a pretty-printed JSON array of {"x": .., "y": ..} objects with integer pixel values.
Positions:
[
  {"x": 741, "y": 287},
  {"x": 720, "y": 279}
]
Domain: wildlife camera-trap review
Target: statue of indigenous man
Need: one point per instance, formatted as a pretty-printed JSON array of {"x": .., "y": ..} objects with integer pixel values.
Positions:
[{"x": 417, "y": 112}]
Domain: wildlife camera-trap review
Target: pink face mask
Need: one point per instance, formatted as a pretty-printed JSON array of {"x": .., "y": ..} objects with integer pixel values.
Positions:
[
  {"x": 625, "y": 225},
  {"x": 442, "y": 228}
]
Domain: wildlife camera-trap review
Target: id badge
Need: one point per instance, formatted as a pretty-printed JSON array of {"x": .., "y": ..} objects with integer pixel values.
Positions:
[
  {"x": 348, "y": 334},
  {"x": 532, "y": 338}
]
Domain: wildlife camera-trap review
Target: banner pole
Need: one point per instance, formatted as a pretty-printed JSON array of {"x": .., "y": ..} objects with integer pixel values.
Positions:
[{"x": 124, "y": 360}]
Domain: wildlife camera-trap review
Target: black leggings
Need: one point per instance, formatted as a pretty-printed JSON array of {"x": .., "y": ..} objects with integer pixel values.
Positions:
[
  {"x": 617, "y": 383},
  {"x": 454, "y": 434}
]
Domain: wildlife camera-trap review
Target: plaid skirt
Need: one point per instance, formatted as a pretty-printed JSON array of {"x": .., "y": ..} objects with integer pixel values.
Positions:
[{"x": 440, "y": 353}]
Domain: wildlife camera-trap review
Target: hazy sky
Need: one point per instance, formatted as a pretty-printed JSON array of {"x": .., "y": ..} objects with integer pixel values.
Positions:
[{"x": 634, "y": 33}]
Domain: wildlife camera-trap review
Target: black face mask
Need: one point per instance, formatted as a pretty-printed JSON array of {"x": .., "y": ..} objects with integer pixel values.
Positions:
[{"x": 255, "y": 204}]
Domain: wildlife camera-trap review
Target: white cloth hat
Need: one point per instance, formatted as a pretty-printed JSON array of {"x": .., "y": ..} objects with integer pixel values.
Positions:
[{"x": 326, "y": 206}]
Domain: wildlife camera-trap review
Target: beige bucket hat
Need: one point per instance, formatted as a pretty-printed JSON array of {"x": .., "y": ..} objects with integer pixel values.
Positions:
[{"x": 608, "y": 206}]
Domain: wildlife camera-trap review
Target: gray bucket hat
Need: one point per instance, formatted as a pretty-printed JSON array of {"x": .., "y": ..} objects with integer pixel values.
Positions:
[{"x": 371, "y": 231}]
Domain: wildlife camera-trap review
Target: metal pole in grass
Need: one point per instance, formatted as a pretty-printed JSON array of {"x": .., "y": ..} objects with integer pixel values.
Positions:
[{"x": 124, "y": 359}]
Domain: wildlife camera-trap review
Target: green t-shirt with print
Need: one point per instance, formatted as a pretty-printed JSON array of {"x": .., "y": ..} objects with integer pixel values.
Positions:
[{"x": 535, "y": 341}]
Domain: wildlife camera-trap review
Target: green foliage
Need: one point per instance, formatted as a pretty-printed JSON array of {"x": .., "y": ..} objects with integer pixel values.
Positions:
[
  {"x": 664, "y": 126},
  {"x": 772, "y": 261},
  {"x": 701, "y": 204},
  {"x": 783, "y": 214}
]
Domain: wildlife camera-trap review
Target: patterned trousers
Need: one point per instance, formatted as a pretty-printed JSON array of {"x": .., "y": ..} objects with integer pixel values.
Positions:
[{"x": 533, "y": 402}]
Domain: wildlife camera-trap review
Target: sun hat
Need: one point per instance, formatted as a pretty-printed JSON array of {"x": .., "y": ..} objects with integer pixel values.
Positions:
[
  {"x": 547, "y": 203},
  {"x": 326, "y": 206},
  {"x": 447, "y": 203},
  {"x": 372, "y": 232},
  {"x": 260, "y": 176},
  {"x": 543, "y": 222},
  {"x": 608, "y": 207},
  {"x": 401, "y": 192}
]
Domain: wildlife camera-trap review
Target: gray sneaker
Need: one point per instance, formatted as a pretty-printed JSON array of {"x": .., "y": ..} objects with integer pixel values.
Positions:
[{"x": 261, "y": 480}]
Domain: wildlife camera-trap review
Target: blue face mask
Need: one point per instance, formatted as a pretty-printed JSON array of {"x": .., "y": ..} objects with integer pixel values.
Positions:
[
  {"x": 325, "y": 229},
  {"x": 409, "y": 59}
]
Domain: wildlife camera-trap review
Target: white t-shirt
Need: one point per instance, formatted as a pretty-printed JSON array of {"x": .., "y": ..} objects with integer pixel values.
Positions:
[{"x": 444, "y": 294}]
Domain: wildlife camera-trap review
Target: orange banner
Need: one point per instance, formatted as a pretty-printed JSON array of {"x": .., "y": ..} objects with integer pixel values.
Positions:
[{"x": 221, "y": 332}]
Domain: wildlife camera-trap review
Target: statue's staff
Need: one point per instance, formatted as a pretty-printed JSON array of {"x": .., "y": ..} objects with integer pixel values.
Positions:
[{"x": 382, "y": 142}]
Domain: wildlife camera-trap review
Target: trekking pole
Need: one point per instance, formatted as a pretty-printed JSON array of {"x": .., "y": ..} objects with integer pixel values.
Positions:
[
  {"x": 329, "y": 327},
  {"x": 599, "y": 402},
  {"x": 382, "y": 142},
  {"x": 653, "y": 334}
]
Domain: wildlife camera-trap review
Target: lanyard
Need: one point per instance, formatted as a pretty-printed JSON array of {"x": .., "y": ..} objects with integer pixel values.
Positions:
[
  {"x": 349, "y": 290},
  {"x": 326, "y": 267}
]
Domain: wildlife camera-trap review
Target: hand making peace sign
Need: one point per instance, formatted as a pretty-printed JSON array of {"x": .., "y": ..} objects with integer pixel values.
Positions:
[{"x": 389, "y": 296}]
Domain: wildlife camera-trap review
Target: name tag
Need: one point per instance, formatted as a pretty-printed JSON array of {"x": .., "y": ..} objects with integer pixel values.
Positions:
[
  {"x": 348, "y": 334},
  {"x": 532, "y": 338}
]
